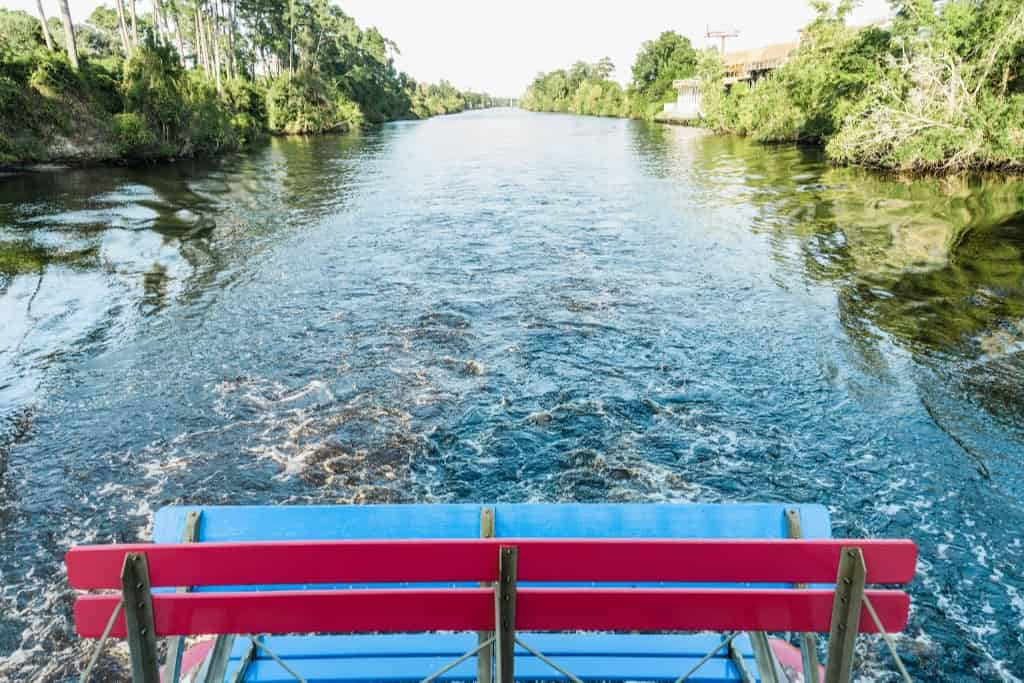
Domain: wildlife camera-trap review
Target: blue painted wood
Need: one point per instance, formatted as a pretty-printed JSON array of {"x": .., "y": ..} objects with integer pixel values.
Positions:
[
  {"x": 278, "y": 523},
  {"x": 404, "y": 669},
  {"x": 606, "y": 657},
  {"x": 287, "y": 522},
  {"x": 454, "y": 644},
  {"x": 657, "y": 521}
]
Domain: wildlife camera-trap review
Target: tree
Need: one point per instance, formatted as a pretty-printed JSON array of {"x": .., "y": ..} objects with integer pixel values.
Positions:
[
  {"x": 662, "y": 61},
  {"x": 42, "y": 22},
  {"x": 69, "y": 34},
  {"x": 126, "y": 42}
]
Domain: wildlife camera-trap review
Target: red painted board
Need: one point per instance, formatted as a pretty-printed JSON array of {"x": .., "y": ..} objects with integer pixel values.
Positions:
[
  {"x": 348, "y": 611},
  {"x": 555, "y": 609},
  {"x": 540, "y": 560},
  {"x": 472, "y": 609}
]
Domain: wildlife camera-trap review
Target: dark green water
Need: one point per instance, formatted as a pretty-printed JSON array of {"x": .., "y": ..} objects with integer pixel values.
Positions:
[{"x": 514, "y": 307}]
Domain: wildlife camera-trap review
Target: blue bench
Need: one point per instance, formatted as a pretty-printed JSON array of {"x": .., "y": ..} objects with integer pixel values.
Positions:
[{"x": 597, "y": 657}]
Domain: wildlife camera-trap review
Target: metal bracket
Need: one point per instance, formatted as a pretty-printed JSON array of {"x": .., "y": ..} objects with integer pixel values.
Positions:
[
  {"x": 808, "y": 643},
  {"x": 176, "y": 645},
  {"x": 846, "y": 608},
  {"x": 505, "y": 613},
  {"x": 484, "y": 659},
  {"x": 138, "y": 612}
]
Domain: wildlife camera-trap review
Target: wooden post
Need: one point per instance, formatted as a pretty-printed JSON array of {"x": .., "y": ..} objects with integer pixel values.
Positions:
[
  {"x": 138, "y": 613},
  {"x": 846, "y": 608},
  {"x": 808, "y": 645},
  {"x": 505, "y": 613},
  {"x": 484, "y": 671},
  {"x": 176, "y": 645},
  {"x": 764, "y": 657}
]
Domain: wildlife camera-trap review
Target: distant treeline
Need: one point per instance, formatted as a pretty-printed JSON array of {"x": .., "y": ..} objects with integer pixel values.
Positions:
[
  {"x": 197, "y": 77},
  {"x": 587, "y": 89},
  {"x": 940, "y": 88}
]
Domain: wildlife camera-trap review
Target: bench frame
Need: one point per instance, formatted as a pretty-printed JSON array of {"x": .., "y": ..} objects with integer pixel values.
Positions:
[{"x": 92, "y": 568}]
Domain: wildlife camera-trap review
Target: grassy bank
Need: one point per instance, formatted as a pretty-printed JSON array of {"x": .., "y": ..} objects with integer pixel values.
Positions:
[{"x": 173, "y": 87}]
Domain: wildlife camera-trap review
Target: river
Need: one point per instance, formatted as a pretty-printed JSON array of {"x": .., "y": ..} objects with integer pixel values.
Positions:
[{"x": 502, "y": 306}]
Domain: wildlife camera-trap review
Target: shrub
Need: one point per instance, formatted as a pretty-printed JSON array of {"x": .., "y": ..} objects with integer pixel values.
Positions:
[
  {"x": 102, "y": 84},
  {"x": 209, "y": 120},
  {"x": 768, "y": 113},
  {"x": 304, "y": 104},
  {"x": 155, "y": 86},
  {"x": 52, "y": 73},
  {"x": 246, "y": 97},
  {"x": 12, "y": 99},
  {"x": 133, "y": 136},
  {"x": 246, "y": 128}
]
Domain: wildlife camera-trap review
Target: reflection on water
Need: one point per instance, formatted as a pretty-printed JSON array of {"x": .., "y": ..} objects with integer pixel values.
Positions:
[{"x": 502, "y": 306}]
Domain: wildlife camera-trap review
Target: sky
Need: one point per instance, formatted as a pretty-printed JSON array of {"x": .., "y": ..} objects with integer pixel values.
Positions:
[{"x": 498, "y": 46}]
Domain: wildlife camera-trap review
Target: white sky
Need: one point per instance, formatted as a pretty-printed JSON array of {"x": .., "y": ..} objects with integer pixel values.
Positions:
[{"x": 498, "y": 46}]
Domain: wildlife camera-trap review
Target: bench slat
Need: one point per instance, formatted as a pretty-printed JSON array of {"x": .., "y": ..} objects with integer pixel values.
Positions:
[
  {"x": 534, "y": 520},
  {"x": 454, "y": 644},
  {"x": 464, "y": 560},
  {"x": 413, "y": 669},
  {"x": 472, "y": 609}
]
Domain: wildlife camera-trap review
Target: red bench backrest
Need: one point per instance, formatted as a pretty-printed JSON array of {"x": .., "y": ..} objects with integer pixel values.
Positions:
[{"x": 645, "y": 608}]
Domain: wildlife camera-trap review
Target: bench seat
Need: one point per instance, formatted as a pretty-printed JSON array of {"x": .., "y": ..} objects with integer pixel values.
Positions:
[
  {"x": 605, "y": 657},
  {"x": 599, "y": 657}
]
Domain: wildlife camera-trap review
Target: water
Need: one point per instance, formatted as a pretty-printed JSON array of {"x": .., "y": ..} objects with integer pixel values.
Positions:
[{"x": 510, "y": 307}]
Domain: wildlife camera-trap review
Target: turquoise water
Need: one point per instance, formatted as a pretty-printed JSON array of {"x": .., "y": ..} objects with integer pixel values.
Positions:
[{"x": 503, "y": 306}]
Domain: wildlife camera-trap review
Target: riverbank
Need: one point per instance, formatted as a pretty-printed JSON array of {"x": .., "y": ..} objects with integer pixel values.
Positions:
[
  {"x": 936, "y": 89},
  {"x": 147, "y": 109},
  {"x": 93, "y": 94}
]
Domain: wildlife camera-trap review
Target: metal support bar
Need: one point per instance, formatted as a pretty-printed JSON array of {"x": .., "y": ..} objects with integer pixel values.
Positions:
[
  {"x": 451, "y": 665},
  {"x": 505, "y": 613},
  {"x": 765, "y": 659},
  {"x": 550, "y": 662},
  {"x": 889, "y": 643},
  {"x": 98, "y": 647},
  {"x": 243, "y": 664},
  {"x": 846, "y": 608},
  {"x": 706, "y": 658},
  {"x": 216, "y": 665},
  {"x": 176, "y": 645},
  {"x": 737, "y": 659},
  {"x": 484, "y": 660},
  {"x": 808, "y": 643},
  {"x": 280, "y": 662},
  {"x": 138, "y": 612}
]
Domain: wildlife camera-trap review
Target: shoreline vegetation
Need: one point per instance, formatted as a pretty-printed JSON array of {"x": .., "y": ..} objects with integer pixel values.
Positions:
[
  {"x": 197, "y": 78},
  {"x": 938, "y": 89}
]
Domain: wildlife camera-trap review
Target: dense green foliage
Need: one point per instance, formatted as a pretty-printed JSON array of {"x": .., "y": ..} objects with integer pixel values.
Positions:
[
  {"x": 201, "y": 77},
  {"x": 588, "y": 88},
  {"x": 941, "y": 89}
]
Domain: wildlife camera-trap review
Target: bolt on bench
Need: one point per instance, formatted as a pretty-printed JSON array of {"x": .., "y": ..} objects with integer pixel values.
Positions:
[{"x": 502, "y": 593}]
